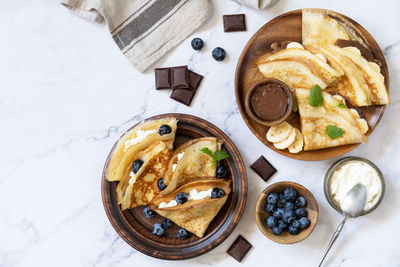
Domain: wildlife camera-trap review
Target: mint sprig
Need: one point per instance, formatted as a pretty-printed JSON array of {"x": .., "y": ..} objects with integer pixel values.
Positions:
[
  {"x": 334, "y": 132},
  {"x": 315, "y": 98},
  {"x": 217, "y": 156},
  {"x": 341, "y": 105}
]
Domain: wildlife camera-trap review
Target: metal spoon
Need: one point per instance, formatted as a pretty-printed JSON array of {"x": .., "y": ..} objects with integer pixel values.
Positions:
[{"x": 352, "y": 207}]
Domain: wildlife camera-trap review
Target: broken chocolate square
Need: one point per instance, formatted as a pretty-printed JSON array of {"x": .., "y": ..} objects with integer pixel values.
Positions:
[
  {"x": 239, "y": 248},
  {"x": 180, "y": 77},
  {"x": 234, "y": 23},
  {"x": 163, "y": 78},
  {"x": 263, "y": 168},
  {"x": 183, "y": 96},
  {"x": 194, "y": 80}
]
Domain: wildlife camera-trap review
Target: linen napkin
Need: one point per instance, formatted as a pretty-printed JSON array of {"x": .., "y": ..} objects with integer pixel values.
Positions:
[
  {"x": 258, "y": 4},
  {"x": 144, "y": 30}
]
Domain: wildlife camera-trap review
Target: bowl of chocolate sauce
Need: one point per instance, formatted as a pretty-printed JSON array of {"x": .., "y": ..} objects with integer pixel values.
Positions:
[{"x": 269, "y": 102}]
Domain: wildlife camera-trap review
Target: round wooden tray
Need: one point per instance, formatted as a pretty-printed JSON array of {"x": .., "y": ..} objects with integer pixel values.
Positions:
[
  {"x": 136, "y": 230},
  {"x": 287, "y": 27}
]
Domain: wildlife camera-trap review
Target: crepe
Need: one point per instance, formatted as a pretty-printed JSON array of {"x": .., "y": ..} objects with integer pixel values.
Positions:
[
  {"x": 189, "y": 161},
  {"x": 194, "y": 215},
  {"x": 314, "y": 122}
]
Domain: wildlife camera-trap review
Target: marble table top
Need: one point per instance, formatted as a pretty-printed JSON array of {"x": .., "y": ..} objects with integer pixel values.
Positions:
[{"x": 67, "y": 94}]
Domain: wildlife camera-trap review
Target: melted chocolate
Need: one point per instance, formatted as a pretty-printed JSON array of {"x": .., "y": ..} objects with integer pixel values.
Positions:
[{"x": 365, "y": 52}]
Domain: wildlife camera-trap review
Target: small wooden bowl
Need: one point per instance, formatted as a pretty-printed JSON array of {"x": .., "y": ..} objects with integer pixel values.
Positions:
[
  {"x": 253, "y": 115},
  {"x": 261, "y": 215}
]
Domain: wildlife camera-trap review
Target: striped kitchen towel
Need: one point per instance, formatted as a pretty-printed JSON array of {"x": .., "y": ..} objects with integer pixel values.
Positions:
[
  {"x": 259, "y": 4},
  {"x": 144, "y": 30}
]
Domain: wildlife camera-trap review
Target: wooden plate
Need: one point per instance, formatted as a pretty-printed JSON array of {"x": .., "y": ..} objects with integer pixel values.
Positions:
[
  {"x": 136, "y": 230},
  {"x": 287, "y": 27},
  {"x": 261, "y": 215}
]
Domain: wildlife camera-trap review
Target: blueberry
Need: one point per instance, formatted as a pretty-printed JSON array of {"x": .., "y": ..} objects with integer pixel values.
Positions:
[
  {"x": 281, "y": 203},
  {"x": 277, "y": 230},
  {"x": 167, "y": 223},
  {"x": 148, "y": 213},
  {"x": 301, "y": 202},
  {"x": 158, "y": 229},
  {"x": 289, "y": 206},
  {"x": 296, "y": 223},
  {"x": 218, "y": 54},
  {"x": 197, "y": 44},
  {"x": 281, "y": 224},
  {"x": 282, "y": 196},
  {"x": 161, "y": 184},
  {"x": 217, "y": 193},
  {"x": 300, "y": 212},
  {"x": 269, "y": 208},
  {"x": 182, "y": 233},
  {"x": 271, "y": 222},
  {"x": 181, "y": 198},
  {"x": 293, "y": 230},
  {"x": 279, "y": 213},
  {"x": 304, "y": 222},
  {"x": 290, "y": 194},
  {"x": 164, "y": 129},
  {"x": 136, "y": 165},
  {"x": 288, "y": 216},
  {"x": 272, "y": 198},
  {"x": 222, "y": 172}
]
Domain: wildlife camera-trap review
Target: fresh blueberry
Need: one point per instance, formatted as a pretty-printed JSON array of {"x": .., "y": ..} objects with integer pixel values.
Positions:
[
  {"x": 300, "y": 201},
  {"x": 293, "y": 230},
  {"x": 290, "y": 194},
  {"x": 161, "y": 184},
  {"x": 167, "y": 223},
  {"x": 181, "y": 198},
  {"x": 289, "y": 206},
  {"x": 182, "y": 233},
  {"x": 222, "y": 172},
  {"x": 288, "y": 216},
  {"x": 272, "y": 198},
  {"x": 269, "y": 208},
  {"x": 136, "y": 165},
  {"x": 217, "y": 193},
  {"x": 281, "y": 203},
  {"x": 281, "y": 224},
  {"x": 164, "y": 129},
  {"x": 279, "y": 213},
  {"x": 304, "y": 222},
  {"x": 277, "y": 230},
  {"x": 282, "y": 196},
  {"x": 300, "y": 212},
  {"x": 158, "y": 229},
  {"x": 148, "y": 213},
  {"x": 197, "y": 44},
  {"x": 271, "y": 221},
  {"x": 296, "y": 223},
  {"x": 218, "y": 54}
]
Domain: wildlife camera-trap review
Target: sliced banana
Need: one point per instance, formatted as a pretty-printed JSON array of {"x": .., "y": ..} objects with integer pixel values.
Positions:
[
  {"x": 288, "y": 141},
  {"x": 298, "y": 143},
  {"x": 278, "y": 133}
]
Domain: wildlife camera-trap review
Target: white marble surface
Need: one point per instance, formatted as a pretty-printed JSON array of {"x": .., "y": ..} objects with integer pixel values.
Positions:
[{"x": 67, "y": 94}]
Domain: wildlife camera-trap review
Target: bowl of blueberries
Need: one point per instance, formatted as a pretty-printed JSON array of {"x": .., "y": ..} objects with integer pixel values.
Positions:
[{"x": 286, "y": 212}]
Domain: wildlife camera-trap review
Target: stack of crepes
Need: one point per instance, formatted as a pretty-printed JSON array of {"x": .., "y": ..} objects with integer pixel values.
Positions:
[
  {"x": 333, "y": 56},
  {"x": 183, "y": 170}
]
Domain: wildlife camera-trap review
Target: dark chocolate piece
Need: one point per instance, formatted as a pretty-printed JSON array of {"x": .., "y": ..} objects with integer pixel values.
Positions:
[
  {"x": 183, "y": 96},
  {"x": 239, "y": 248},
  {"x": 194, "y": 80},
  {"x": 365, "y": 52},
  {"x": 263, "y": 168},
  {"x": 180, "y": 77},
  {"x": 234, "y": 23},
  {"x": 163, "y": 78}
]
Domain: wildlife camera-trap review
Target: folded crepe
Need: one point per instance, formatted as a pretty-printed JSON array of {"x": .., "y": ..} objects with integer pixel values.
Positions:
[
  {"x": 197, "y": 213},
  {"x": 315, "y": 120},
  {"x": 189, "y": 161}
]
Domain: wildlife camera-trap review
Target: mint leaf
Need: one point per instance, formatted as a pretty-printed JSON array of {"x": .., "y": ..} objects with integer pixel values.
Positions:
[
  {"x": 220, "y": 155},
  {"x": 315, "y": 98},
  {"x": 341, "y": 105},
  {"x": 207, "y": 151},
  {"x": 334, "y": 132}
]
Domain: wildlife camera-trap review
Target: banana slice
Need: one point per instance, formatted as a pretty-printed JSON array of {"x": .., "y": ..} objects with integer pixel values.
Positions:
[
  {"x": 288, "y": 141},
  {"x": 280, "y": 132},
  {"x": 298, "y": 143}
]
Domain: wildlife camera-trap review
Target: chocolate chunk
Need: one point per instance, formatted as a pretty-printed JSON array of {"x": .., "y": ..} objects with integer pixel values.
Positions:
[
  {"x": 239, "y": 248},
  {"x": 234, "y": 23},
  {"x": 263, "y": 168},
  {"x": 180, "y": 77},
  {"x": 365, "y": 52},
  {"x": 163, "y": 78},
  {"x": 194, "y": 80},
  {"x": 183, "y": 96}
]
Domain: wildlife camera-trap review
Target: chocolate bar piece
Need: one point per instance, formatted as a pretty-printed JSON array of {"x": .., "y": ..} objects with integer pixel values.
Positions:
[
  {"x": 239, "y": 248},
  {"x": 194, "y": 80},
  {"x": 234, "y": 23},
  {"x": 180, "y": 77},
  {"x": 263, "y": 168},
  {"x": 163, "y": 78},
  {"x": 183, "y": 96}
]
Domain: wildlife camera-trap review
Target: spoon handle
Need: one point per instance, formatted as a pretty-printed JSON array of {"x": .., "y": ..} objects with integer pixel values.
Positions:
[{"x": 333, "y": 239}]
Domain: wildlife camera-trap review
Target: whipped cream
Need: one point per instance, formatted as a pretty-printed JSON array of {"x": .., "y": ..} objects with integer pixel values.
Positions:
[
  {"x": 180, "y": 155},
  {"x": 352, "y": 173},
  {"x": 140, "y": 136},
  {"x": 194, "y": 194}
]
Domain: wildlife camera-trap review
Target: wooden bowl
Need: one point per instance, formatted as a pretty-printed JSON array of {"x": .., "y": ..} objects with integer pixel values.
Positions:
[
  {"x": 261, "y": 215},
  {"x": 287, "y": 27},
  {"x": 136, "y": 230}
]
